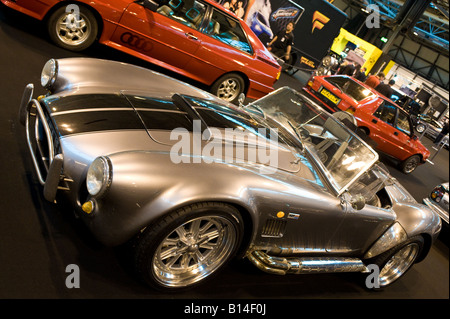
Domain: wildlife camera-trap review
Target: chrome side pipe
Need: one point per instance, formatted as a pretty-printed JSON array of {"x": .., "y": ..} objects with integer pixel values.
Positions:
[{"x": 304, "y": 265}]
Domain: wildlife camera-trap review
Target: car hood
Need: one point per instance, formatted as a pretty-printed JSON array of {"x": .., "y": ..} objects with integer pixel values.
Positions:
[{"x": 108, "y": 124}]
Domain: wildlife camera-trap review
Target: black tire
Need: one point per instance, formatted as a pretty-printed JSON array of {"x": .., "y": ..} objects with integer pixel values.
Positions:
[
  {"x": 395, "y": 263},
  {"x": 228, "y": 87},
  {"x": 72, "y": 34},
  {"x": 410, "y": 164},
  {"x": 175, "y": 253}
]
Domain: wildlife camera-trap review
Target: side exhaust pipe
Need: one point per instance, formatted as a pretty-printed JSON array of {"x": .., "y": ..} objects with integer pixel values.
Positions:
[{"x": 305, "y": 265}]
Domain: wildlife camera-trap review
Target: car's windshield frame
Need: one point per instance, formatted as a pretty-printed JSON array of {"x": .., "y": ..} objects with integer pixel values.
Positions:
[{"x": 282, "y": 105}]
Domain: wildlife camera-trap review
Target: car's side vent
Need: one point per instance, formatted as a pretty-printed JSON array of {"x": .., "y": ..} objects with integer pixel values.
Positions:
[{"x": 274, "y": 228}]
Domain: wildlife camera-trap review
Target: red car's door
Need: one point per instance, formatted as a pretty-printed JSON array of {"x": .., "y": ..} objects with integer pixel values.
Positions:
[
  {"x": 168, "y": 37},
  {"x": 225, "y": 47},
  {"x": 386, "y": 133},
  {"x": 407, "y": 145}
]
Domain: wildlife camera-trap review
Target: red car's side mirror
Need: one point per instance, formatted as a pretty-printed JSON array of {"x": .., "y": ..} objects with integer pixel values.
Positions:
[{"x": 151, "y": 5}]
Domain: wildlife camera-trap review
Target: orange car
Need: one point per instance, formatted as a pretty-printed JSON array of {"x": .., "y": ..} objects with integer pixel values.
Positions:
[
  {"x": 198, "y": 39},
  {"x": 388, "y": 125}
]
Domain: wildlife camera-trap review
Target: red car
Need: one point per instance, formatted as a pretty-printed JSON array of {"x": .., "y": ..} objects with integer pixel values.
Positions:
[
  {"x": 388, "y": 125},
  {"x": 196, "y": 38}
]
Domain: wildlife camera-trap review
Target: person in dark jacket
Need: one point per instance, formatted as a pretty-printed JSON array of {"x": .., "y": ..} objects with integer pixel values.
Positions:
[
  {"x": 347, "y": 69},
  {"x": 281, "y": 44},
  {"x": 386, "y": 89},
  {"x": 441, "y": 135},
  {"x": 360, "y": 75}
]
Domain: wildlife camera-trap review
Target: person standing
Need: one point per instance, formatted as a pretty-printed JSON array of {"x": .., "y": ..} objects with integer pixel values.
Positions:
[
  {"x": 386, "y": 89},
  {"x": 348, "y": 69},
  {"x": 441, "y": 135},
  {"x": 374, "y": 80},
  {"x": 281, "y": 44},
  {"x": 361, "y": 74}
]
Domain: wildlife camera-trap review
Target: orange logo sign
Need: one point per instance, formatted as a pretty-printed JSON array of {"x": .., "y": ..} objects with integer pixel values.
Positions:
[{"x": 319, "y": 20}]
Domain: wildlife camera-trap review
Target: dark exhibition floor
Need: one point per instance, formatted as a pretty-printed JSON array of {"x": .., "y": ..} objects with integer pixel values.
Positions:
[{"x": 39, "y": 240}]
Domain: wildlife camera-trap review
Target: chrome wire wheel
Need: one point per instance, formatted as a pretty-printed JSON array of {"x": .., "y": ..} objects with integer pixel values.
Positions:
[
  {"x": 194, "y": 250},
  {"x": 73, "y": 29},
  {"x": 398, "y": 264}
]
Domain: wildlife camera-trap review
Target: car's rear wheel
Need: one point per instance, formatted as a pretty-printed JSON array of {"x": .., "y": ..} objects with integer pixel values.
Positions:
[
  {"x": 410, "y": 164},
  {"x": 229, "y": 87},
  {"x": 420, "y": 128},
  {"x": 73, "y": 28},
  {"x": 394, "y": 263},
  {"x": 188, "y": 245}
]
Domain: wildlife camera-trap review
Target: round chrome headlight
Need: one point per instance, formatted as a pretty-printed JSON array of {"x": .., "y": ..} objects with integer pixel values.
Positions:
[
  {"x": 49, "y": 73},
  {"x": 99, "y": 176}
]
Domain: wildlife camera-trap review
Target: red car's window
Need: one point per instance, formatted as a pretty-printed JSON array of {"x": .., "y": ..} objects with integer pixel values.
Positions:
[
  {"x": 228, "y": 30},
  {"x": 392, "y": 115},
  {"x": 187, "y": 12},
  {"x": 403, "y": 122},
  {"x": 386, "y": 113},
  {"x": 350, "y": 87}
]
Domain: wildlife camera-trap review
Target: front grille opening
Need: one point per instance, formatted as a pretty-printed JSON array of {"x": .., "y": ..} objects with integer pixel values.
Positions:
[
  {"x": 40, "y": 142},
  {"x": 274, "y": 228},
  {"x": 42, "y": 145}
]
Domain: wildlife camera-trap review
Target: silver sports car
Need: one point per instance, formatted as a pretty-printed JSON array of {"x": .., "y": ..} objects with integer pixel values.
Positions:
[{"x": 193, "y": 181}]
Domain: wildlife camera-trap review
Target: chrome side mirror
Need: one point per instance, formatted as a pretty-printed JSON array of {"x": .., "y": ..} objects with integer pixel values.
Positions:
[
  {"x": 358, "y": 202},
  {"x": 151, "y": 5}
]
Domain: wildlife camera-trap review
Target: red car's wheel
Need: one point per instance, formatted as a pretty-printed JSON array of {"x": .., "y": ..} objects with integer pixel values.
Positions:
[
  {"x": 229, "y": 87},
  {"x": 410, "y": 164},
  {"x": 74, "y": 28}
]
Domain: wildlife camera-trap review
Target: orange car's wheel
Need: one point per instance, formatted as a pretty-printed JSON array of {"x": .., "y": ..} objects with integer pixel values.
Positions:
[
  {"x": 73, "y": 28},
  {"x": 229, "y": 87},
  {"x": 410, "y": 164}
]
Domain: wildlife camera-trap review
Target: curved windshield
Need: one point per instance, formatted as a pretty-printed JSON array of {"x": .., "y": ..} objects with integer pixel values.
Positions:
[{"x": 340, "y": 153}]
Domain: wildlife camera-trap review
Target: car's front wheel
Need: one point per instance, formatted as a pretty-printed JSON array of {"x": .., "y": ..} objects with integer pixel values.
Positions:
[
  {"x": 188, "y": 245},
  {"x": 73, "y": 28},
  {"x": 410, "y": 164},
  {"x": 394, "y": 263},
  {"x": 229, "y": 87}
]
